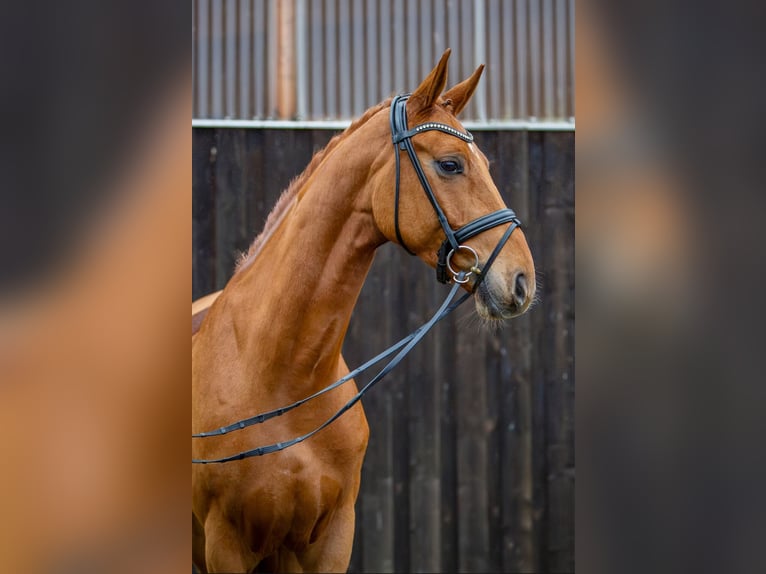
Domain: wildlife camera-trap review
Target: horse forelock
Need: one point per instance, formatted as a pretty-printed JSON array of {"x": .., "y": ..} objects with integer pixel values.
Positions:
[{"x": 288, "y": 196}]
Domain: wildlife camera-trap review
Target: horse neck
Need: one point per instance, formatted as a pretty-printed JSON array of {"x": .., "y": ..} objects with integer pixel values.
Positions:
[{"x": 291, "y": 307}]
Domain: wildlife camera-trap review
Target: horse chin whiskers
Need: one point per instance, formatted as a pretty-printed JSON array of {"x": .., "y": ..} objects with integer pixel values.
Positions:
[
  {"x": 488, "y": 321},
  {"x": 492, "y": 314},
  {"x": 480, "y": 322}
]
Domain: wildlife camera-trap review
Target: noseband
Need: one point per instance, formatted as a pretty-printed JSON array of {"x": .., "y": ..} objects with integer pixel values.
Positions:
[
  {"x": 454, "y": 242},
  {"x": 402, "y": 138}
]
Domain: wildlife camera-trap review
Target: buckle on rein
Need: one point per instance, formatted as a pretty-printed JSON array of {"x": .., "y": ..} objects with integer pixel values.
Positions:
[{"x": 444, "y": 264}]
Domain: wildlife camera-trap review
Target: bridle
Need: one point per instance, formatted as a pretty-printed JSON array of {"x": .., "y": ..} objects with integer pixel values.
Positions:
[{"x": 454, "y": 242}]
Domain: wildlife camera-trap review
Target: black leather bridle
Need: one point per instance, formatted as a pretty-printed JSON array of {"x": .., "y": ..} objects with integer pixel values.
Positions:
[{"x": 402, "y": 139}]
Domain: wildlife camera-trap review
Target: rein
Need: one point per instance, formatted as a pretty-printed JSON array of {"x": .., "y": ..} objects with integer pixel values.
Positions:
[
  {"x": 402, "y": 140},
  {"x": 407, "y": 343}
]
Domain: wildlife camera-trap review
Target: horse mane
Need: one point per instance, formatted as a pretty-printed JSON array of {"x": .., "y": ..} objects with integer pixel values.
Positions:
[{"x": 287, "y": 196}]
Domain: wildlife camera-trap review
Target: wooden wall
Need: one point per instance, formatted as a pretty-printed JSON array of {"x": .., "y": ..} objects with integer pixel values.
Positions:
[{"x": 470, "y": 466}]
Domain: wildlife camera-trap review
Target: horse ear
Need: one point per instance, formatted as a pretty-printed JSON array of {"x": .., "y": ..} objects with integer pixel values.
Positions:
[
  {"x": 430, "y": 89},
  {"x": 460, "y": 94}
]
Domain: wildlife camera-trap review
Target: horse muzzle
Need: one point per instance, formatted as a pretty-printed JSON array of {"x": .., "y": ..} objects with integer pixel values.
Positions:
[{"x": 499, "y": 300}]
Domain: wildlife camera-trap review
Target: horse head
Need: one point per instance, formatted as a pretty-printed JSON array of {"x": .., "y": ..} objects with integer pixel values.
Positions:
[{"x": 461, "y": 187}]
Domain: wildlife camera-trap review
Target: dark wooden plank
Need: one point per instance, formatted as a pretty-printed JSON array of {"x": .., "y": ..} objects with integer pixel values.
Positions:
[
  {"x": 406, "y": 312},
  {"x": 285, "y": 155},
  {"x": 472, "y": 465},
  {"x": 449, "y": 459},
  {"x": 507, "y": 360},
  {"x": 231, "y": 230},
  {"x": 421, "y": 438},
  {"x": 437, "y": 362},
  {"x": 537, "y": 389},
  {"x": 203, "y": 212},
  {"x": 491, "y": 142},
  {"x": 558, "y": 192},
  {"x": 260, "y": 197},
  {"x": 518, "y": 366},
  {"x": 424, "y": 373}
]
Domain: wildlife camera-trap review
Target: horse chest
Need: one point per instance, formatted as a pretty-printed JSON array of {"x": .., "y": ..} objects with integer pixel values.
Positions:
[{"x": 293, "y": 509}]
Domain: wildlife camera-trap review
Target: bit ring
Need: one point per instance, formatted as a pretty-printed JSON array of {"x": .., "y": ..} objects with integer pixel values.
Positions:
[{"x": 468, "y": 273}]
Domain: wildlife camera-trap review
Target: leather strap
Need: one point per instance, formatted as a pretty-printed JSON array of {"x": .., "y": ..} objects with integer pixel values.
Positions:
[
  {"x": 485, "y": 223},
  {"x": 402, "y": 140},
  {"x": 495, "y": 252},
  {"x": 445, "y": 309},
  {"x": 477, "y": 226},
  {"x": 399, "y": 237}
]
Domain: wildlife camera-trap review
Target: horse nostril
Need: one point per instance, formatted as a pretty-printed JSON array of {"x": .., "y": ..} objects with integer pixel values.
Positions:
[{"x": 520, "y": 288}]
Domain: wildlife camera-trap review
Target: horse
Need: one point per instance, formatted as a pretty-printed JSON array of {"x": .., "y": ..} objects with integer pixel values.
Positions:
[{"x": 274, "y": 334}]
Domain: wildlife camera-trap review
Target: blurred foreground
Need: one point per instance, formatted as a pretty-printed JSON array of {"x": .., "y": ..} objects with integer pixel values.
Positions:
[
  {"x": 666, "y": 395},
  {"x": 94, "y": 355}
]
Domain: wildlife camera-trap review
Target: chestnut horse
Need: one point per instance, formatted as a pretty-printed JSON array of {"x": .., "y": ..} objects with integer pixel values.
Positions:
[{"x": 274, "y": 334}]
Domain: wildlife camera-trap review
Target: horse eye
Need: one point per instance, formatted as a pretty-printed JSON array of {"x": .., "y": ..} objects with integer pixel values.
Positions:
[{"x": 450, "y": 166}]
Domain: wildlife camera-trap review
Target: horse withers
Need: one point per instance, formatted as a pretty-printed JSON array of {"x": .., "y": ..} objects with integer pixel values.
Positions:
[{"x": 274, "y": 334}]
